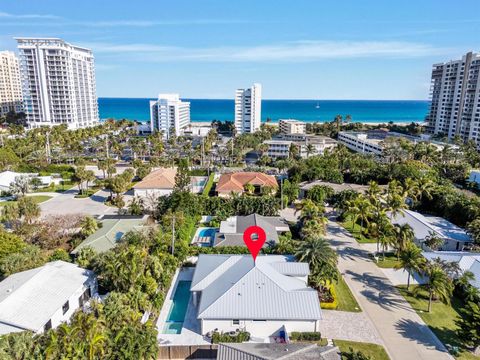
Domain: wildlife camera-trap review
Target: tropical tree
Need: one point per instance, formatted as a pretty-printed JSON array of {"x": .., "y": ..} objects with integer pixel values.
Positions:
[
  {"x": 403, "y": 234},
  {"x": 473, "y": 229},
  {"x": 438, "y": 285},
  {"x": 20, "y": 186},
  {"x": 321, "y": 258},
  {"x": 28, "y": 209},
  {"x": 433, "y": 241},
  {"x": 469, "y": 324},
  {"x": 412, "y": 260},
  {"x": 88, "y": 226},
  {"x": 249, "y": 189}
]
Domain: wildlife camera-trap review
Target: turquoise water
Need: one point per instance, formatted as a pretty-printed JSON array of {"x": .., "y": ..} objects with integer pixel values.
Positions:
[
  {"x": 209, "y": 109},
  {"x": 176, "y": 316},
  {"x": 208, "y": 232}
]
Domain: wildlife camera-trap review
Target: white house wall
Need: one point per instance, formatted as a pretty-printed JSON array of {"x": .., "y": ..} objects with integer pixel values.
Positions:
[{"x": 260, "y": 328}]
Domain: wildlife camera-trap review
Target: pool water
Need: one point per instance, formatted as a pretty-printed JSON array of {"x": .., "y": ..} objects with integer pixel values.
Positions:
[
  {"x": 207, "y": 232},
  {"x": 176, "y": 316}
]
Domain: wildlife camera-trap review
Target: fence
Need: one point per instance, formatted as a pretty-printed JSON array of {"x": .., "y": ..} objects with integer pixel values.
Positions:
[{"x": 175, "y": 352}]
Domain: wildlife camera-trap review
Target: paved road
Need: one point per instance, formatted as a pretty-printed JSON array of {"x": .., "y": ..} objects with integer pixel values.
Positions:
[
  {"x": 65, "y": 203},
  {"x": 403, "y": 332}
]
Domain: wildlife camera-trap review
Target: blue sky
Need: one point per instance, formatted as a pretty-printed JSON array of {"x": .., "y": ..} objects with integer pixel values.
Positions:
[{"x": 350, "y": 49}]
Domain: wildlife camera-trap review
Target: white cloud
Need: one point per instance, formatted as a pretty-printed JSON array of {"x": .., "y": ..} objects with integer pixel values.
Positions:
[
  {"x": 287, "y": 52},
  {"x": 27, "y": 16}
]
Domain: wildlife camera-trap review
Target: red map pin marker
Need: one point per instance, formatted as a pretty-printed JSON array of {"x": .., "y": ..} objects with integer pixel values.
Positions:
[{"x": 254, "y": 237}]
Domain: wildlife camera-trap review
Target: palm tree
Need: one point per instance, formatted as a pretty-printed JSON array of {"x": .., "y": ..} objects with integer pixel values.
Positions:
[
  {"x": 411, "y": 259},
  {"x": 439, "y": 286},
  {"x": 404, "y": 234},
  {"x": 309, "y": 149},
  {"x": 320, "y": 256},
  {"x": 89, "y": 225},
  {"x": 364, "y": 209}
]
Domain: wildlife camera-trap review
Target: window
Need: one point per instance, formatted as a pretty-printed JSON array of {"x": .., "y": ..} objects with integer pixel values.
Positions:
[
  {"x": 235, "y": 322},
  {"x": 47, "y": 326},
  {"x": 65, "y": 307},
  {"x": 84, "y": 297}
]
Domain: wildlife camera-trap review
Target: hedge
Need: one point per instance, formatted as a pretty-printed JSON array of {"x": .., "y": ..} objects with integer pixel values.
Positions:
[
  {"x": 219, "y": 337},
  {"x": 305, "y": 336},
  {"x": 208, "y": 186},
  {"x": 331, "y": 305}
]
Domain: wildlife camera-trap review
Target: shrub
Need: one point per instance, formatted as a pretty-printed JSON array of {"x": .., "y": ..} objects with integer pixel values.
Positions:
[
  {"x": 305, "y": 336},
  {"x": 333, "y": 304},
  {"x": 239, "y": 337}
]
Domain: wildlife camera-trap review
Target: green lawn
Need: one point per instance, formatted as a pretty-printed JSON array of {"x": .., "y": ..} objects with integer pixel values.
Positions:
[
  {"x": 374, "y": 351},
  {"x": 346, "y": 301},
  {"x": 37, "y": 198},
  {"x": 68, "y": 184},
  {"x": 356, "y": 233},
  {"x": 389, "y": 262},
  {"x": 442, "y": 320}
]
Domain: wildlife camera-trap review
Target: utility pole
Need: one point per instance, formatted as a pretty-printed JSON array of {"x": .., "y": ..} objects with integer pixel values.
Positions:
[
  {"x": 106, "y": 146},
  {"x": 281, "y": 193}
]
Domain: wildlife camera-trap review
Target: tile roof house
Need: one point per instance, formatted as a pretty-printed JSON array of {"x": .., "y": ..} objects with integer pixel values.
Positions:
[
  {"x": 235, "y": 182},
  {"x": 159, "y": 182},
  {"x": 112, "y": 230},
  {"x": 231, "y": 230},
  {"x": 264, "y": 298},
  {"x": 455, "y": 238},
  {"x": 44, "y": 297},
  {"x": 292, "y": 351}
]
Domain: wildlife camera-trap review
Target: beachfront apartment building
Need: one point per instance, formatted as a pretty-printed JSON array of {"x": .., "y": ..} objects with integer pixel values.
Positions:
[
  {"x": 291, "y": 126},
  {"x": 307, "y": 145},
  {"x": 58, "y": 83},
  {"x": 248, "y": 109},
  {"x": 455, "y": 98},
  {"x": 169, "y": 115},
  {"x": 10, "y": 85}
]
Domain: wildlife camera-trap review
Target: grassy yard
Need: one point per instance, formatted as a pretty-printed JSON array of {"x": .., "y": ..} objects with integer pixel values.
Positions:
[
  {"x": 68, "y": 184},
  {"x": 389, "y": 262},
  {"x": 442, "y": 320},
  {"x": 374, "y": 351},
  {"x": 37, "y": 198},
  {"x": 346, "y": 301},
  {"x": 357, "y": 232}
]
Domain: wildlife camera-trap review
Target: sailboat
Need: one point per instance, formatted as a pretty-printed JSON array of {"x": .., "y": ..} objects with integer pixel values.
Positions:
[{"x": 318, "y": 106}]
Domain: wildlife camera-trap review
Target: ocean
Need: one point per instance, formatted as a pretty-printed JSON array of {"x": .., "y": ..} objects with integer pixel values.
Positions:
[{"x": 306, "y": 110}]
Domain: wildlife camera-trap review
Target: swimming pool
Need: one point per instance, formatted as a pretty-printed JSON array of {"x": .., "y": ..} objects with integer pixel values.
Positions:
[
  {"x": 207, "y": 232},
  {"x": 176, "y": 316}
]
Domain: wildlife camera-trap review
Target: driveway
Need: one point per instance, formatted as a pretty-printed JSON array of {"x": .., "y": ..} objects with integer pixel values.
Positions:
[
  {"x": 65, "y": 203},
  {"x": 404, "y": 334}
]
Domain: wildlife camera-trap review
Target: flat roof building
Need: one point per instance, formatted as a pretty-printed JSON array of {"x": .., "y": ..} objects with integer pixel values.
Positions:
[
  {"x": 10, "y": 84},
  {"x": 169, "y": 115},
  {"x": 291, "y": 126},
  {"x": 248, "y": 109}
]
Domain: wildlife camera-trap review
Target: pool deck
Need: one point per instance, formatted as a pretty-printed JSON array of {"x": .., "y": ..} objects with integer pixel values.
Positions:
[
  {"x": 197, "y": 235},
  {"x": 190, "y": 334}
]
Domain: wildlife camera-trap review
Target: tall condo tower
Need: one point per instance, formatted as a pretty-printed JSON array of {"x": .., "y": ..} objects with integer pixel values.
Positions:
[
  {"x": 169, "y": 114},
  {"x": 10, "y": 85},
  {"x": 58, "y": 81},
  {"x": 248, "y": 109},
  {"x": 455, "y": 95}
]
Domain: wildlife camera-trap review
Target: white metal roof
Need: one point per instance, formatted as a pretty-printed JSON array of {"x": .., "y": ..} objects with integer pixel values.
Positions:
[
  {"x": 466, "y": 261},
  {"x": 238, "y": 289},
  {"x": 422, "y": 225},
  {"x": 29, "y": 298}
]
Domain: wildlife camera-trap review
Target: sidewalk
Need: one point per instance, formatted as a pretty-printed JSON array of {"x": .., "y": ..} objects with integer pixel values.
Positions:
[{"x": 404, "y": 334}]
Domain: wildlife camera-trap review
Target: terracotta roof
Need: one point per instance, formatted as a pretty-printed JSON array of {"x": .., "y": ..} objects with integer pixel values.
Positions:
[
  {"x": 237, "y": 181},
  {"x": 163, "y": 178}
]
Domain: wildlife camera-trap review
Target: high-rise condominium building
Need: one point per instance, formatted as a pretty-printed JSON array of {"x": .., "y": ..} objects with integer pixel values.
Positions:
[
  {"x": 291, "y": 126},
  {"x": 10, "y": 86},
  {"x": 455, "y": 95},
  {"x": 58, "y": 81},
  {"x": 248, "y": 109},
  {"x": 169, "y": 114}
]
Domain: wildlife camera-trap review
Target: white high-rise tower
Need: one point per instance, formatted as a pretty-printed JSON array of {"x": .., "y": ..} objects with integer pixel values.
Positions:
[
  {"x": 58, "y": 81},
  {"x": 455, "y": 95},
  {"x": 248, "y": 109},
  {"x": 169, "y": 114},
  {"x": 10, "y": 85}
]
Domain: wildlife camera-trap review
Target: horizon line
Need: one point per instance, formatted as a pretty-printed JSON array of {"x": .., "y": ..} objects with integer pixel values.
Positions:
[{"x": 283, "y": 99}]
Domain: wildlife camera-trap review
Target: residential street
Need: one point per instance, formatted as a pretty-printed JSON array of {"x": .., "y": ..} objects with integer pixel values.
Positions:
[{"x": 403, "y": 332}]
